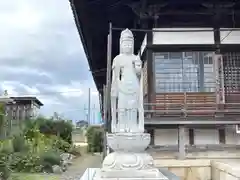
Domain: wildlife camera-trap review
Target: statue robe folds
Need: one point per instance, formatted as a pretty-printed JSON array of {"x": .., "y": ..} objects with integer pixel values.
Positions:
[{"x": 126, "y": 89}]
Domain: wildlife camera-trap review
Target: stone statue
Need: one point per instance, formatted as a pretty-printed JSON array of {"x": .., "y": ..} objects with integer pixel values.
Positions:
[
  {"x": 129, "y": 160},
  {"x": 126, "y": 89}
]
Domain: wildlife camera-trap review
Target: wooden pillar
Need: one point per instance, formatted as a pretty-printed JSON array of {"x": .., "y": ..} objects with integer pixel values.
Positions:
[
  {"x": 152, "y": 133},
  {"x": 222, "y": 135},
  {"x": 108, "y": 79},
  {"x": 191, "y": 136},
  {"x": 181, "y": 142},
  {"x": 217, "y": 56},
  {"x": 150, "y": 70}
]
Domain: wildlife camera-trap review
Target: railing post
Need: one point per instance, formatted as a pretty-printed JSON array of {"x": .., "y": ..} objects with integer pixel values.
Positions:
[
  {"x": 185, "y": 105},
  {"x": 219, "y": 79},
  {"x": 221, "y": 76},
  {"x": 217, "y": 82}
]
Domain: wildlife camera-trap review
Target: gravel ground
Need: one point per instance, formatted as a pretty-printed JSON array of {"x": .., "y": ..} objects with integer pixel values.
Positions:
[{"x": 79, "y": 166}]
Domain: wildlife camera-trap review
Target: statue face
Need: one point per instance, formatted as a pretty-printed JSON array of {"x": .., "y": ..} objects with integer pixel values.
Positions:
[{"x": 127, "y": 46}]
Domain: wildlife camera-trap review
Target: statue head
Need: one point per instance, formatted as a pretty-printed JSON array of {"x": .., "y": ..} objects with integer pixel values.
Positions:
[{"x": 126, "y": 42}]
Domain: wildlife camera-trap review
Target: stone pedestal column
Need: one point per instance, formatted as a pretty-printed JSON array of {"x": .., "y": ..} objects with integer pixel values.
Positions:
[{"x": 129, "y": 159}]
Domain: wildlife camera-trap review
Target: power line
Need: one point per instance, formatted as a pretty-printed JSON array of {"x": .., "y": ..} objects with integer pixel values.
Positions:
[{"x": 77, "y": 109}]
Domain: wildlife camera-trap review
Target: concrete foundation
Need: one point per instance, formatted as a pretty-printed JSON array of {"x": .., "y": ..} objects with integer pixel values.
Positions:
[
  {"x": 198, "y": 169},
  {"x": 225, "y": 170},
  {"x": 204, "y": 169},
  {"x": 187, "y": 169}
]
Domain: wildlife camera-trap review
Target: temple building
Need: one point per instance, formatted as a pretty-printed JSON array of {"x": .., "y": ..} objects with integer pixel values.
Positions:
[
  {"x": 190, "y": 54},
  {"x": 21, "y": 109},
  {"x": 198, "y": 88}
]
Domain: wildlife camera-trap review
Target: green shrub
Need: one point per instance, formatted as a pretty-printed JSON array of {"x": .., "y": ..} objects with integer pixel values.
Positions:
[
  {"x": 50, "y": 157},
  {"x": 6, "y": 146},
  {"x": 25, "y": 162},
  {"x": 5, "y": 151},
  {"x": 18, "y": 143},
  {"x": 95, "y": 139},
  {"x": 47, "y": 126},
  {"x": 59, "y": 128},
  {"x": 64, "y": 130},
  {"x": 61, "y": 144},
  {"x": 5, "y": 171}
]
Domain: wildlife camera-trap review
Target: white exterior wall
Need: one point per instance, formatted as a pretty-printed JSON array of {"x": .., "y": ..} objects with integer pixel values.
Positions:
[
  {"x": 201, "y": 136},
  {"x": 204, "y": 37},
  {"x": 206, "y": 136},
  {"x": 231, "y": 136},
  {"x": 197, "y": 37},
  {"x": 168, "y": 137},
  {"x": 229, "y": 37}
]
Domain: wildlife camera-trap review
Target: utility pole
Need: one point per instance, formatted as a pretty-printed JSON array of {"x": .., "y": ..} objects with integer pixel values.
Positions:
[
  {"x": 104, "y": 120},
  {"x": 107, "y": 91},
  {"x": 89, "y": 105},
  {"x": 93, "y": 114}
]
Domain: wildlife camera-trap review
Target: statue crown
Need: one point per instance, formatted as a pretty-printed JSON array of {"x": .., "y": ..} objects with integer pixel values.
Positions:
[{"x": 126, "y": 34}]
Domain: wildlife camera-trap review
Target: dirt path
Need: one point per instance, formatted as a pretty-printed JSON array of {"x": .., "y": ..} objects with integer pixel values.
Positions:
[{"x": 79, "y": 166}]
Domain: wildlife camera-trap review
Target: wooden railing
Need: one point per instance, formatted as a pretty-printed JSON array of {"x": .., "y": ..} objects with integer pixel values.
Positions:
[{"x": 190, "y": 104}]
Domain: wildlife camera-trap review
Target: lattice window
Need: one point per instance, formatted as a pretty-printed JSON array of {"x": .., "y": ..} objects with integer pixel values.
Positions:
[
  {"x": 183, "y": 72},
  {"x": 231, "y": 64}
]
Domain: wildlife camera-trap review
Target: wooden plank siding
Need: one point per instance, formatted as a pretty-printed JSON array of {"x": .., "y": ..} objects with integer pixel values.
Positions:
[{"x": 190, "y": 102}]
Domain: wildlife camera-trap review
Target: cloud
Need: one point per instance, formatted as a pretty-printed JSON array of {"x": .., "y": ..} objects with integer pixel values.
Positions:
[{"x": 41, "y": 55}]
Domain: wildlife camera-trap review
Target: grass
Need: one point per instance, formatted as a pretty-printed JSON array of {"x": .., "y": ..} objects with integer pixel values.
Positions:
[{"x": 31, "y": 176}]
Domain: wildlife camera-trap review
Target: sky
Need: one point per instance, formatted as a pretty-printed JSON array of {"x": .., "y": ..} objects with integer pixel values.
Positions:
[{"x": 41, "y": 55}]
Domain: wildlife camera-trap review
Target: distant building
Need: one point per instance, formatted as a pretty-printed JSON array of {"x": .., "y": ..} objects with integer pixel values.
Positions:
[
  {"x": 23, "y": 108},
  {"x": 81, "y": 123}
]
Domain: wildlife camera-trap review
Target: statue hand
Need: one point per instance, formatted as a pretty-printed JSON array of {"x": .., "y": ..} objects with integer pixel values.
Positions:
[
  {"x": 138, "y": 65},
  {"x": 113, "y": 92}
]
